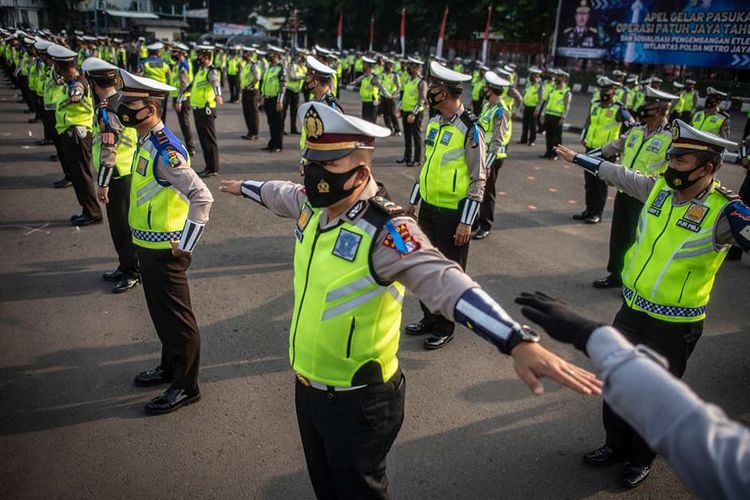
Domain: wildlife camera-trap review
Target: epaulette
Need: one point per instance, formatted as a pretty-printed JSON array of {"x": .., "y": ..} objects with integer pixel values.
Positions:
[
  {"x": 724, "y": 113},
  {"x": 727, "y": 193},
  {"x": 468, "y": 118},
  {"x": 386, "y": 206},
  {"x": 161, "y": 137}
]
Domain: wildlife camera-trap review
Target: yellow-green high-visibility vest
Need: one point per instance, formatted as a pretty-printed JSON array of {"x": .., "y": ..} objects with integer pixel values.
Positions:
[
  {"x": 670, "y": 269},
  {"x": 233, "y": 65},
  {"x": 127, "y": 144},
  {"x": 388, "y": 81},
  {"x": 157, "y": 212},
  {"x": 346, "y": 323},
  {"x": 646, "y": 156},
  {"x": 174, "y": 77},
  {"x": 299, "y": 71},
  {"x": 246, "y": 76},
  {"x": 603, "y": 125},
  {"x": 556, "y": 101},
  {"x": 367, "y": 91},
  {"x": 531, "y": 94},
  {"x": 156, "y": 69},
  {"x": 359, "y": 65},
  {"x": 142, "y": 52},
  {"x": 709, "y": 122},
  {"x": 444, "y": 179},
  {"x": 202, "y": 93},
  {"x": 53, "y": 91},
  {"x": 271, "y": 85},
  {"x": 476, "y": 89},
  {"x": 621, "y": 95},
  {"x": 487, "y": 118},
  {"x": 74, "y": 114}
]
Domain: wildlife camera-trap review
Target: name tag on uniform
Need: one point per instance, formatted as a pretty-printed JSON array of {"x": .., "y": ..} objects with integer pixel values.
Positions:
[
  {"x": 346, "y": 245},
  {"x": 431, "y": 135},
  {"x": 446, "y": 138},
  {"x": 141, "y": 165}
]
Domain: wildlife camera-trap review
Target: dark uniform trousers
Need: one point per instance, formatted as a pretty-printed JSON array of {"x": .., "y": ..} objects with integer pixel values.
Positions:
[
  {"x": 275, "y": 123},
  {"x": 674, "y": 341},
  {"x": 165, "y": 286},
  {"x": 596, "y": 191},
  {"x": 439, "y": 224},
  {"x": 205, "y": 125},
  {"x": 413, "y": 137},
  {"x": 388, "y": 109},
  {"x": 528, "y": 127},
  {"x": 183, "y": 118},
  {"x": 736, "y": 252},
  {"x": 48, "y": 122},
  {"x": 76, "y": 154},
  {"x": 476, "y": 107},
  {"x": 487, "y": 209},
  {"x": 622, "y": 233},
  {"x": 234, "y": 87},
  {"x": 291, "y": 103},
  {"x": 119, "y": 228},
  {"x": 552, "y": 132},
  {"x": 250, "y": 110},
  {"x": 347, "y": 435},
  {"x": 49, "y": 117},
  {"x": 369, "y": 112}
]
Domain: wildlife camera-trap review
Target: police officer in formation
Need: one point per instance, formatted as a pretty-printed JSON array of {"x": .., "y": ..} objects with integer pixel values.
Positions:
[
  {"x": 249, "y": 85},
  {"x": 295, "y": 80},
  {"x": 603, "y": 123},
  {"x": 113, "y": 151},
  {"x": 391, "y": 84},
  {"x": 272, "y": 90},
  {"x": 688, "y": 222},
  {"x": 205, "y": 95},
  {"x": 687, "y": 102},
  {"x": 182, "y": 79},
  {"x": 234, "y": 60},
  {"x": 712, "y": 118},
  {"x": 555, "y": 109},
  {"x": 450, "y": 186},
  {"x": 370, "y": 89},
  {"x": 533, "y": 93},
  {"x": 350, "y": 276},
  {"x": 169, "y": 206},
  {"x": 413, "y": 101}
]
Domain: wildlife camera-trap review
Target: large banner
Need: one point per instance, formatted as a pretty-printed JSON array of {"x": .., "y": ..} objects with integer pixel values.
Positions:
[{"x": 712, "y": 33}]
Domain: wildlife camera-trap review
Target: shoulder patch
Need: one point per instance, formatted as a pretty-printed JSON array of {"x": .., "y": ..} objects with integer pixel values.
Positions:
[
  {"x": 400, "y": 239},
  {"x": 727, "y": 193},
  {"x": 173, "y": 157}
]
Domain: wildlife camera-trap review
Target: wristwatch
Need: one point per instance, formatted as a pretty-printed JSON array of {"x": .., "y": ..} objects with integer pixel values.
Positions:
[{"x": 522, "y": 334}]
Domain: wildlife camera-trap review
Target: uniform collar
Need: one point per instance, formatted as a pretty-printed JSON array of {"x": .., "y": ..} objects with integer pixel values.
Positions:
[
  {"x": 159, "y": 126},
  {"x": 453, "y": 118},
  {"x": 370, "y": 190}
]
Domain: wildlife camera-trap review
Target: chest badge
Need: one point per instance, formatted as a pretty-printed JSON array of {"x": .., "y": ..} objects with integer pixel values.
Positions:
[
  {"x": 655, "y": 145},
  {"x": 696, "y": 213},
  {"x": 347, "y": 245},
  {"x": 431, "y": 135},
  {"x": 446, "y": 138},
  {"x": 141, "y": 166}
]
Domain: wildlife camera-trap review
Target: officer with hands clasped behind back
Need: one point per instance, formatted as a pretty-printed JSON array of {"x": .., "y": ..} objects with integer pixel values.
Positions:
[
  {"x": 169, "y": 207},
  {"x": 450, "y": 185},
  {"x": 205, "y": 95},
  {"x": 113, "y": 149},
  {"x": 685, "y": 230},
  {"x": 355, "y": 254}
]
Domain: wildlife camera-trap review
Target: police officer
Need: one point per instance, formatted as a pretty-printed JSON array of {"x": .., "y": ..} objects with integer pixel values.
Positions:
[
  {"x": 477, "y": 84},
  {"x": 234, "y": 60},
  {"x": 272, "y": 90},
  {"x": 113, "y": 151},
  {"x": 74, "y": 114},
  {"x": 205, "y": 95},
  {"x": 712, "y": 118},
  {"x": 450, "y": 185},
  {"x": 634, "y": 98},
  {"x": 369, "y": 90},
  {"x": 688, "y": 223},
  {"x": 295, "y": 80},
  {"x": 391, "y": 87},
  {"x": 169, "y": 208},
  {"x": 54, "y": 90},
  {"x": 413, "y": 99},
  {"x": 495, "y": 120},
  {"x": 182, "y": 79},
  {"x": 532, "y": 97},
  {"x": 344, "y": 334},
  {"x": 249, "y": 84},
  {"x": 643, "y": 149},
  {"x": 554, "y": 109},
  {"x": 602, "y": 126},
  {"x": 156, "y": 68}
]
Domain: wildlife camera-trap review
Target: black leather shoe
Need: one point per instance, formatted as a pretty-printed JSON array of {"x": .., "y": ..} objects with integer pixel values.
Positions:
[
  {"x": 53, "y": 157},
  {"x": 632, "y": 475},
  {"x": 171, "y": 400},
  {"x": 62, "y": 183},
  {"x": 43, "y": 142},
  {"x": 403, "y": 160},
  {"x": 126, "y": 284},
  {"x": 247, "y": 137},
  {"x": 115, "y": 275},
  {"x": 437, "y": 341},
  {"x": 150, "y": 378},
  {"x": 582, "y": 216},
  {"x": 411, "y": 164},
  {"x": 267, "y": 148},
  {"x": 602, "y": 457},
  {"x": 421, "y": 327},
  {"x": 545, "y": 156},
  {"x": 206, "y": 173},
  {"x": 85, "y": 220},
  {"x": 592, "y": 219},
  {"x": 480, "y": 235},
  {"x": 610, "y": 281}
]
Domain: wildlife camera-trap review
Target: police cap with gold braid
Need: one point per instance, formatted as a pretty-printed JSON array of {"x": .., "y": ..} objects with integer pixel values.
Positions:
[{"x": 686, "y": 139}]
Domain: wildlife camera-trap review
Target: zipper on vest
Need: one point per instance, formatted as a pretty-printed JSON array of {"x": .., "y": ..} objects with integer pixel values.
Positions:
[
  {"x": 351, "y": 334},
  {"x": 148, "y": 216},
  {"x": 304, "y": 291},
  {"x": 653, "y": 246},
  {"x": 455, "y": 173},
  {"x": 683, "y": 286}
]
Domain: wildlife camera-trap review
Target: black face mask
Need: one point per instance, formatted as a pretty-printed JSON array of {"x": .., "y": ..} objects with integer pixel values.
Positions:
[
  {"x": 645, "y": 112},
  {"x": 606, "y": 97},
  {"x": 678, "y": 179},
  {"x": 712, "y": 101},
  {"x": 432, "y": 99},
  {"x": 324, "y": 188},
  {"x": 127, "y": 116},
  {"x": 309, "y": 86}
]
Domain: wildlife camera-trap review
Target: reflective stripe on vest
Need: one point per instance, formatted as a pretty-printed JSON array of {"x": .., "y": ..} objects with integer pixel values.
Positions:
[
  {"x": 344, "y": 321},
  {"x": 603, "y": 125},
  {"x": 157, "y": 211},
  {"x": 670, "y": 269},
  {"x": 648, "y": 157},
  {"x": 444, "y": 179},
  {"x": 202, "y": 93}
]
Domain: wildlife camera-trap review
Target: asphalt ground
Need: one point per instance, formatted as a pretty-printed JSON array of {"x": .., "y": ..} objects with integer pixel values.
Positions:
[{"x": 72, "y": 425}]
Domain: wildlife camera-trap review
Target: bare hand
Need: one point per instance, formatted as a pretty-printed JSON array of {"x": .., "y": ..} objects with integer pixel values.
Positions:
[
  {"x": 219, "y": 100},
  {"x": 411, "y": 211},
  {"x": 410, "y": 119},
  {"x": 533, "y": 362},
  {"x": 566, "y": 153},
  {"x": 463, "y": 233},
  {"x": 176, "y": 252},
  {"x": 562, "y": 120},
  {"x": 102, "y": 192},
  {"x": 231, "y": 187},
  {"x": 279, "y": 106}
]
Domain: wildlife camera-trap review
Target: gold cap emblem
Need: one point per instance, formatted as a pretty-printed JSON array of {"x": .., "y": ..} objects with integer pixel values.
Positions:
[
  {"x": 675, "y": 132},
  {"x": 313, "y": 123},
  {"x": 323, "y": 186}
]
